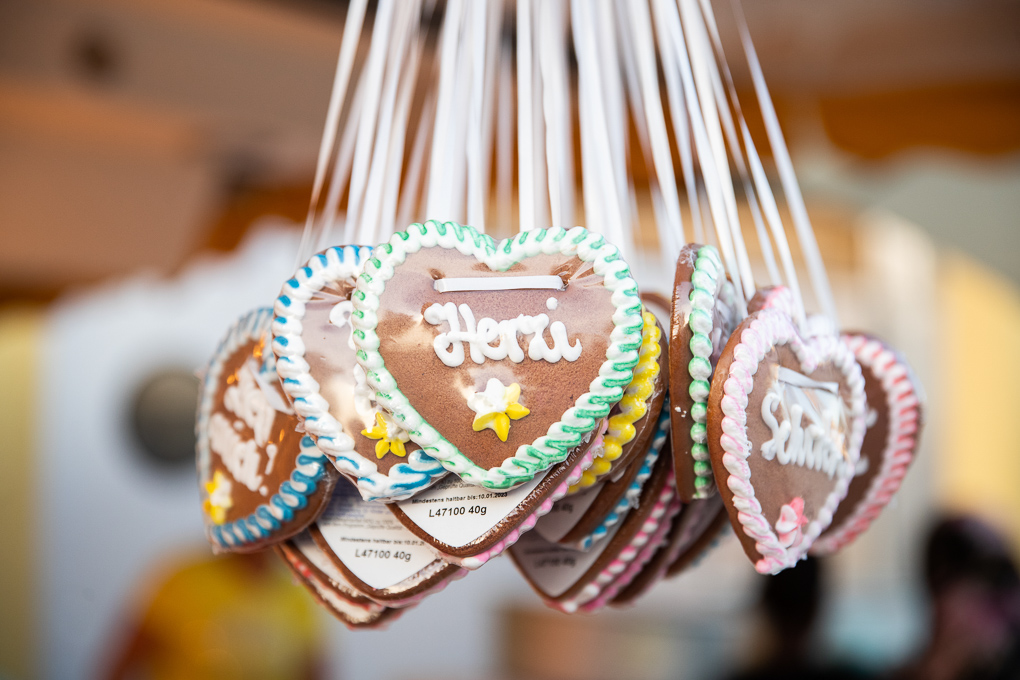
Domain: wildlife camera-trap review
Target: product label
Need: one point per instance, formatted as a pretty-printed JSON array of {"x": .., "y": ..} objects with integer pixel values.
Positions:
[
  {"x": 458, "y": 513},
  {"x": 566, "y": 513},
  {"x": 554, "y": 568},
  {"x": 370, "y": 541}
]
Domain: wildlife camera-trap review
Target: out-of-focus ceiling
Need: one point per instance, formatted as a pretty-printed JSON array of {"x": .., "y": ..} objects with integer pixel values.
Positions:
[{"x": 125, "y": 125}]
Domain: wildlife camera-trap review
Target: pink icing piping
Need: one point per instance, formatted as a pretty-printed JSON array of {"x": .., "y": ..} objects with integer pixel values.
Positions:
[
  {"x": 904, "y": 421},
  {"x": 650, "y": 536},
  {"x": 475, "y": 561},
  {"x": 768, "y": 328}
]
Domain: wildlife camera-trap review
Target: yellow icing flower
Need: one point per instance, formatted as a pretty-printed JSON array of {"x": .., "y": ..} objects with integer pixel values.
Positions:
[
  {"x": 219, "y": 500},
  {"x": 633, "y": 406},
  {"x": 496, "y": 406},
  {"x": 390, "y": 435}
]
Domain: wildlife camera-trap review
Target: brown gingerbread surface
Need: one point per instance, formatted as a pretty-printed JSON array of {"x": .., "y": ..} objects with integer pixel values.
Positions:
[{"x": 439, "y": 392}]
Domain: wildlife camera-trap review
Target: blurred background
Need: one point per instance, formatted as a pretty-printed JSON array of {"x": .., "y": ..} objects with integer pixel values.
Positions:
[{"x": 156, "y": 160}]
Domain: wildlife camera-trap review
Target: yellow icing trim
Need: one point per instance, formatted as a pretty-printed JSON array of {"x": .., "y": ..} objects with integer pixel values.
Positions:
[{"x": 633, "y": 406}]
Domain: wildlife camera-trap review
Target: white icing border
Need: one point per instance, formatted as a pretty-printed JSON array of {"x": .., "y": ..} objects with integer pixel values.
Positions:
[
  {"x": 766, "y": 329},
  {"x": 604, "y": 391},
  {"x": 332, "y": 266},
  {"x": 903, "y": 402}
]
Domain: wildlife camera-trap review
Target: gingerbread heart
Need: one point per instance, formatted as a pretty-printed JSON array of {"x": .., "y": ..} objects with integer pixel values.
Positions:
[
  {"x": 895, "y": 417},
  {"x": 786, "y": 420},
  {"x": 498, "y": 359},
  {"x": 469, "y": 526},
  {"x": 633, "y": 422},
  {"x": 703, "y": 316},
  {"x": 584, "y": 519},
  {"x": 304, "y": 559},
  {"x": 260, "y": 480},
  {"x": 312, "y": 338},
  {"x": 694, "y": 529},
  {"x": 375, "y": 553},
  {"x": 569, "y": 579}
]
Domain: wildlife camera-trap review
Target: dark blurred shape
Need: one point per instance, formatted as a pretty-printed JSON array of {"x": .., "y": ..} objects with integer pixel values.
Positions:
[
  {"x": 163, "y": 418},
  {"x": 790, "y": 603},
  {"x": 231, "y": 616},
  {"x": 95, "y": 56},
  {"x": 974, "y": 587}
]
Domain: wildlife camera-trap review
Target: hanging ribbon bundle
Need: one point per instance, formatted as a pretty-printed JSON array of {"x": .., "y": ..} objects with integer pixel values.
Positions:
[{"x": 408, "y": 411}]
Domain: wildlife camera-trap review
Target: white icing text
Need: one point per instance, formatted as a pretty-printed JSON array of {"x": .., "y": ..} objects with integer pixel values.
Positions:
[
  {"x": 815, "y": 443},
  {"x": 240, "y": 456},
  {"x": 479, "y": 337}
]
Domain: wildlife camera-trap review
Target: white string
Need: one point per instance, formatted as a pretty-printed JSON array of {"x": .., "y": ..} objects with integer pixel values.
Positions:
[
  {"x": 700, "y": 56},
  {"x": 614, "y": 109},
  {"x": 342, "y": 170},
  {"x": 525, "y": 119},
  {"x": 764, "y": 190},
  {"x": 441, "y": 169},
  {"x": 801, "y": 221},
  {"x": 701, "y": 144},
  {"x": 410, "y": 195},
  {"x": 493, "y": 52},
  {"x": 671, "y": 231},
  {"x": 367, "y": 226},
  {"x": 556, "y": 107},
  {"x": 476, "y": 179},
  {"x": 681, "y": 127},
  {"x": 505, "y": 139},
  {"x": 345, "y": 63}
]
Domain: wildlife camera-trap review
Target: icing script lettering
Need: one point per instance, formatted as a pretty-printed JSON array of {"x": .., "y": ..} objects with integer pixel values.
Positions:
[
  {"x": 246, "y": 400},
  {"x": 810, "y": 433},
  {"x": 481, "y": 335},
  {"x": 240, "y": 456}
]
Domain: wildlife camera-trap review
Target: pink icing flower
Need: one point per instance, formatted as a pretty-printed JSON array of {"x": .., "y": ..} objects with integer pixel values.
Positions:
[{"x": 791, "y": 519}]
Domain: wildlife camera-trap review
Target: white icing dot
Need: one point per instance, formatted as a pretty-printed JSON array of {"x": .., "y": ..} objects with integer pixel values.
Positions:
[
  {"x": 238, "y": 425},
  {"x": 264, "y": 491},
  {"x": 552, "y": 303}
]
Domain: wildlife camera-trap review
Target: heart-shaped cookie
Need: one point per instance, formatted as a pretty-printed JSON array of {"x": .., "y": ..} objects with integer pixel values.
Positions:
[
  {"x": 304, "y": 558},
  {"x": 260, "y": 480},
  {"x": 703, "y": 316},
  {"x": 895, "y": 417},
  {"x": 632, "y": 422},
  {"x": 582, "y": 521},
  {"x": 569, "y": 579},
  {"x": 468, "y": 526},
  {"x": 497, "y": 358},
  {"x": 375, "y": 553},
  {"x": 312, "y": 338},
  {"x": 786, "y": 420}
]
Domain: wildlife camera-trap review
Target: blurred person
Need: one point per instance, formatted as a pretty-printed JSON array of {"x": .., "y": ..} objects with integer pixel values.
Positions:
[
  {"x": 974, "y": 591},
  {"x": 224, "y": 617},
  {"x": 790, "y": 603}
]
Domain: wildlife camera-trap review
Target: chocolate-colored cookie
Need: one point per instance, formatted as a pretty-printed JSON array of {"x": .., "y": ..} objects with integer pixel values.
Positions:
[
  {"x": 786, "y": 420},
  {"x": 375, "y": 553},
  {"x": 895, "y": 417},
  {"x": 260, "y": 480},
  {"x": 703, "y": 316},
  {"x": 352, "y": 613},
  {"x": 468, "y": 526},
  {"x": 569, "y": 579},
  {"x": 632, "y": 422},
  {"x": 497, "y": 358},
  {"x": 612, "y": 499},
  {"x": 312, "y": 338}
]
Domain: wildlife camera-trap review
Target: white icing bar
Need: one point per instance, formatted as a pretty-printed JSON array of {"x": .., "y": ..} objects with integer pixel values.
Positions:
[
  {"x": 791, "y": 377},
  {"x": 453, "y": 284}
]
